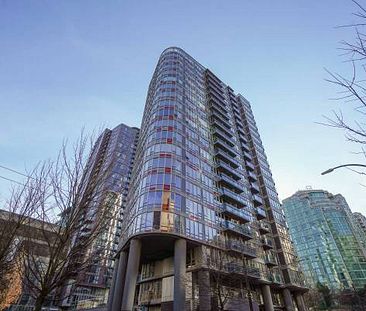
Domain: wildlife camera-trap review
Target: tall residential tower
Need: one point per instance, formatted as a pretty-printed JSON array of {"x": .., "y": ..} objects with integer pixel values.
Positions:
[
  {"x": 111, "y": 161},
  {"x": 205, "y": 226},
  {"x": 321, "y": 226}
]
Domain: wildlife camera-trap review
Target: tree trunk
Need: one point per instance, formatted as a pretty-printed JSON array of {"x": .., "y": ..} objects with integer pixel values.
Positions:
[{"x": 39, "y": 302}]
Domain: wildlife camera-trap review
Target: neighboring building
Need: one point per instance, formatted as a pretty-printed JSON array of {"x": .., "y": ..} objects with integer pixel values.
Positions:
[
  {"x": 111, "y": 161},
  {"x": 361, "y": 220},
  {"x": 204, "y": 221},
  {"x": 360, "y": 223},
  {"x": 325, "y": 239},
  {"x": 36, "y": 229}
]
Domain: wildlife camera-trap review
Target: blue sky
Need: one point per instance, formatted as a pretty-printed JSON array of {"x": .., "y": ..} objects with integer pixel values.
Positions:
[{"x": 69, "y": 64}]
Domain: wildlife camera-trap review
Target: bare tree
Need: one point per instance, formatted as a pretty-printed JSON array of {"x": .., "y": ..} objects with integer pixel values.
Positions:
[
  {"x": 227, "y": 277},
  {"x": 352, "y": 88},
  {"x": 72, "y": 212},
  {"x": 23, "y": 203}
]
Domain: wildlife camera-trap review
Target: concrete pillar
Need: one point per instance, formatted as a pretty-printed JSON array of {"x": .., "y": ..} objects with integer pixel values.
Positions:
[
  {"x": 131, "y": 275},
  {"x": 180, "y": 253},
  {"x": 116, "y": 291},
  {"x": 204, "y": 290},
  {"x": 288, "y": 300},
  {"x": 300, "y": 302},
  {"x": 267, "y": 297},
  {"x": 113, "y": 284}
]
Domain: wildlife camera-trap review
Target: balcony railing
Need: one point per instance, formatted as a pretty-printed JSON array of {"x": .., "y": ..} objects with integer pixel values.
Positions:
[
  {"x": 211, "y": 78},
  {"x": 221, "y": 115},
  {"x": 254, "y": 188},
  {"x": 241, "y": 131},
  {"x": 236, "y": 213},
  {"x": 241, "y": 248},
  {"x": 217, "y": 95},
  {"x": 261, "y": 213},
  {"x": 220, "y": 106},
  {"x": 223, "y": 139},
  {"x": 226, "y": 147},
  {"x": 215, "y": 88},
  {"x": 257, "y": 200},
  {"x": 276, "y": 277},
  {"x": 233, "y": 197},
  {"x": 231, "y": 183},
  {"x": 229, "y": 169},
  {"x": 239, "y": 269},
  {"x": 242, "y": 230},
  {"x": 245, "y": 148},
  {"x": 247, "y": 155},
  {"x": 227, "y": 158},
  {"x": 249, "y": 165},
  {"x": 252, "y": 176},
  {"x": 270, "y": 260},
  {"x": 267, "y": 244},
  {"x": 264, "y": 228},
  {"x": 243, "y": 138},
  {"x": 223, "y": 127}
]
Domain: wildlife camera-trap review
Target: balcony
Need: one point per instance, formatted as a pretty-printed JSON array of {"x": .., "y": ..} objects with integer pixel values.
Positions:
[
  {"x": 227, "y": 158},
  {"x": 261, "y": 213},
  {"x": 229, "y": 170},
  {"x": 267, "y": 243},
  {"x": 247, "y": 155},
  {"x": 264, "y": 228},
  {"x": 223, "y": 123},
  {"x": 243, "y": 138},
  {"x": 239, "y": 269},
  {"x": 241, "y": 248},
  {"x": 232, "y": 197},
  {"x": 276, "y": 278},
  {"x": 219, "y": 114},
  {"x": 236, "y": 111},
  {"x": 217, "y": 100},
  {"x": 228, "y": 148},
  {"x": 242, "y": 230},
  {"x": 236, "y": 213},
  {"x": 249, "y": 166},
  {"x": 228, "y": 134},
  {"x": 214, "y": 86},
  {"x": 231, "y": 183},
  {"x": 217, "y": 95},
  {"x": 254, "y": 188},
  {"x": 241, "y": 131},
  {"x": 257, "y": 200},
  {"x": 219, "y": 106},
  {"x": 270, "y": 260},
  {"x": 213, "y": 78},
  {"x": 252, "y": 177}
]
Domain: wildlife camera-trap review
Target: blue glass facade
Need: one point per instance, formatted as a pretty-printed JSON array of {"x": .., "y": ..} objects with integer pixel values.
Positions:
[{"x": 325, "y": 240}]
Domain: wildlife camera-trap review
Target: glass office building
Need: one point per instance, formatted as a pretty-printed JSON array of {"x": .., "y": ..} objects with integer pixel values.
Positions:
[
  {"x": 325, "y": 239},
  {"x": 111, "y": 161},
  {"x": 204, "y": 226}
]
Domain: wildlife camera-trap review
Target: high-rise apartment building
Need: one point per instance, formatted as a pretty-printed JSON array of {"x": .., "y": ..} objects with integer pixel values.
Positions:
[
  {"x": 111, "y": 161},
  {"x": 325, "y": 239},
  {"x": 361, "y": 220},
  {"x": 204, "y": 226},
  {"x": 360, "y": 224}
]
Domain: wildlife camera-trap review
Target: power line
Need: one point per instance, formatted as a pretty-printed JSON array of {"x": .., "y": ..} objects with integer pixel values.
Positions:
[
  {"x": 14, "y": 171},
  {"x": 12, "y": 180}
]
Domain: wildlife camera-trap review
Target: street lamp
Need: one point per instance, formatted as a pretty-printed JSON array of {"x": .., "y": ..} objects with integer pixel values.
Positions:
[{"x": 343, "y": 165}]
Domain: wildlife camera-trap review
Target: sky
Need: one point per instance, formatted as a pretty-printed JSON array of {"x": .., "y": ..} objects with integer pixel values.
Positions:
[{"x": 65, "y": 65}]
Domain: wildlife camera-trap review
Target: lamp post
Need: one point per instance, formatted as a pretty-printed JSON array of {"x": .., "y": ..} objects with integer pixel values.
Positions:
[{"x": 343, "y": 165}]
